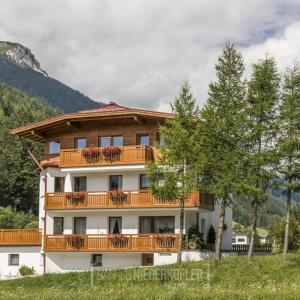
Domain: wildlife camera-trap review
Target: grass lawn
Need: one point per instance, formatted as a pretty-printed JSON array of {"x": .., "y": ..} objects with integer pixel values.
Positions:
[{"x": 266, "y": 277}]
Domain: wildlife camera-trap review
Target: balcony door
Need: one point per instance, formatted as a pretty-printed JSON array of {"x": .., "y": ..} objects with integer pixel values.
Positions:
[
  {"x": 79, "y": 225},
  {"x": 115, "y": 225},
  {"x": 115, "y": 182},
  {"x": 157, "y": 224}
]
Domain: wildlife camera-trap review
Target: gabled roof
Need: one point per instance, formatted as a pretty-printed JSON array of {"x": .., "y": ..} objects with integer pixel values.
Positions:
[{"x": 111, "y": 110}]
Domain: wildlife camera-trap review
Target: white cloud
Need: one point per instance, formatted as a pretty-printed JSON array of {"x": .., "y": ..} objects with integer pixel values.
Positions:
[{"x": 138, "y": 52}]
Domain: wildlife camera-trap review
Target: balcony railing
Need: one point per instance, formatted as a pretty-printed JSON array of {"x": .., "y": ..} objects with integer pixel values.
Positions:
[
  {"x": 10, "y": 237},
  {"x": 124, "y": 199},
  {"x": 126, "y": 155},
  {"x": 111, "y": 243}
]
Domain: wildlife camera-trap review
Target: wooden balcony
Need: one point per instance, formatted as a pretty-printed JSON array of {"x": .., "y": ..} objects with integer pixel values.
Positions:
[
  {"x": 111, "y": 243},
  {"x": 126, "y": 199},
  {"x": 128, "y": 155},
  {"x": 22, "y": 237}
]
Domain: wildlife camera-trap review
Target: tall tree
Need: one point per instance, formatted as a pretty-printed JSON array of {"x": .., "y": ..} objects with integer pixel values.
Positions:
[
  {"x": 174, "y": 178},
  {"x": 289, "y": 142},
  {"x": 259, "y": 134},
  {"x": 219, "y": 132}
]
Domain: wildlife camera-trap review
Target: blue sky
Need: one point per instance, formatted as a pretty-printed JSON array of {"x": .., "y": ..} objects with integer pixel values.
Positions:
[{"x": 138, "y": 52}]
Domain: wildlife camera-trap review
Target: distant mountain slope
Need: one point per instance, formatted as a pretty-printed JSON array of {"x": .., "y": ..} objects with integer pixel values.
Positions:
[{"x": 19, "y": 68}]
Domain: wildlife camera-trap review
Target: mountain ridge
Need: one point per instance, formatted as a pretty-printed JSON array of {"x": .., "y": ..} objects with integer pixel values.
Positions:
[{"x": 19, "y": 68}]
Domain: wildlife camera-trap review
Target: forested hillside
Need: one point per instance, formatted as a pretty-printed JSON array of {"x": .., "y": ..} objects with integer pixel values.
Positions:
[{"x": 18, "y": 173}]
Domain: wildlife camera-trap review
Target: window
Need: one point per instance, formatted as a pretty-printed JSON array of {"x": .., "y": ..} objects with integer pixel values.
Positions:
[
  {"x": 157, "y": 224},
  {"x": 79, "y": 225},
  {"x": 80, "y": 184},
  {"x": 13, "y": 259},
  {"x": 108, "y": 141},
  {"x": 115, "y": 225},
  {"x": 117, "y": 141},
  {"x": 59, "y": 184},
  {"x": 96, "y": 260},
  {"x": 80, "y": 143},
  {"x": 233, "y": 240},
  {"x": 144, "y": 182},
  {"x": 160, "y": 140},
  {"x": 54, "y": 147},
  {"x": 115, "y": 182},
  {"x": 241, "y": 240},
  {"x": 143, "y": 139},
  {"x": 58, "y": 225}
]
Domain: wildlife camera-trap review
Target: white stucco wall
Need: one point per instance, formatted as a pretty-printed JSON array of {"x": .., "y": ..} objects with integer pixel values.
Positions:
[
  {"x": 66, "y": 262},
  {"x": 28, "y": 256},
  {"x": 97, "y": 221}
]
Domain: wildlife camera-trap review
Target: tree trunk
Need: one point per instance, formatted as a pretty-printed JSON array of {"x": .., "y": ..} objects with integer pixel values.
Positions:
[
  {"x": 180, "y": 246},
  {"x": 221, "y": 228},
  {"x": 287, "y": 223},
  {"x": 253, "y": 230}
]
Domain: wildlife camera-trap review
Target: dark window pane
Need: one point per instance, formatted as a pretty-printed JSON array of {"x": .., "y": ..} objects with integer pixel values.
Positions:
[
  {"x": 80, "y": 225},
  {"x": 144, "y": 181},
  {"x": 143, "y": 139},
  {"x": 59, "y": 184},
  {"x": 105, "y": 141},
  {"x": 80, "y": 184},
  {"x": 118, "y": 141},
  {"x": 58, "y": 225},
  {"x": 13, "y": 259},
  {"x": 54, "y": 147},
  {"x": 97, "y": 260},
  {"x": 115, "y": 225},
  {"x": 115, "y": 182},
  {"x": 80, "y": 143},
  {"x": 157, "y": 224},
  {"x": 161, "y": 140}
]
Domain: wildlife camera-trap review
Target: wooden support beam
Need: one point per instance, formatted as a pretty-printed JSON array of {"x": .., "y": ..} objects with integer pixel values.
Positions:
[
  {"x": 138, "y": 120},
  {"x": 73, "y": 124},
  {"x": 37, "y": 134}
]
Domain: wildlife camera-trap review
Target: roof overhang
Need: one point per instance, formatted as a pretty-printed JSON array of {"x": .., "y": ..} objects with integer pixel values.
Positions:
[{"x": 36, "y": 131}]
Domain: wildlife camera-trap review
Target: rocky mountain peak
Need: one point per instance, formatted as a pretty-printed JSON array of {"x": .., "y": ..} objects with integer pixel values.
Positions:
[{"x": 21, "y": 56}]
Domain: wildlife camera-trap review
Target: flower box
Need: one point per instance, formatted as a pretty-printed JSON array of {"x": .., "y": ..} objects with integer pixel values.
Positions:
[
  {"x": 75, "y": 198},
  {"x": 111, "y": 153},
  {"x": 119, "y": 241},
  {"x": 91, "y": 154},
  {"x": 164, "y": 241},
  {"x": 74, "y": 241},
  {"x": 118, "y": 197}
]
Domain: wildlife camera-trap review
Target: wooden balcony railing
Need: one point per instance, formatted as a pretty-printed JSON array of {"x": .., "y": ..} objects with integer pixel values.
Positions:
[
  {"x": 125, "y": 199},
  {"x": 10, "y": 237},
  {"x": 111, "y": 243},
  {"x": 127, "y": 155}
]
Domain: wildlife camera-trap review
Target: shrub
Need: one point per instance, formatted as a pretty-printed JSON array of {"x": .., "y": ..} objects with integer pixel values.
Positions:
[{"x": 26, "y": 271}]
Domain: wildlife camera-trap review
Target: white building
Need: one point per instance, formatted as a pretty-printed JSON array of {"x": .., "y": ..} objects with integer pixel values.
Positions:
[{"x": 95, "y": 206}]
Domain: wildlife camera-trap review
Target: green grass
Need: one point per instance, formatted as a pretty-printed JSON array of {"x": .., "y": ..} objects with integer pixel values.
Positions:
[{"x": 266, "y": 277}]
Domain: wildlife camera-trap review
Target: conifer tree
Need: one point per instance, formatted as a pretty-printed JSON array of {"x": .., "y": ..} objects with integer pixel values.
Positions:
[
  {"x": 174, "y": 177},
  {"x": 259, "y": 136},
  {"x": 289, "y": 142},
  {"x": 218, "y": 134}
]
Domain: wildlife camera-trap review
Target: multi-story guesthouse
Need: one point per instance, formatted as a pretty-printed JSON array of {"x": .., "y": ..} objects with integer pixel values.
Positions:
[{"x": 95, "y": 206}]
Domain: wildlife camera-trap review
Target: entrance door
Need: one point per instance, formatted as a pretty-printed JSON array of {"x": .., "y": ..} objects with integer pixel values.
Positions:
[
  {"x": 79, "y": 225},
  {"x": 147, "y": 259}
]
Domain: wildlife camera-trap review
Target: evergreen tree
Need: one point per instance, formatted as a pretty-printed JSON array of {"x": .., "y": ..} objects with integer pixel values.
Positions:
[
  {"x": 259, "y": 134},
  {"x": 18, "y": 174},
  {"x": 174, "y": 178},
  {"x": 219, "y": 134},
  {"x": 289, "y": 142}
]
